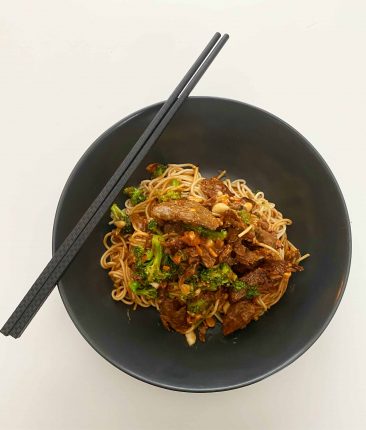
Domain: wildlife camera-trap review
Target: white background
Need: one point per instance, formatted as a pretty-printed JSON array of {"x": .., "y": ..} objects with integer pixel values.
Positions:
[{"x": 71, "y": 69}]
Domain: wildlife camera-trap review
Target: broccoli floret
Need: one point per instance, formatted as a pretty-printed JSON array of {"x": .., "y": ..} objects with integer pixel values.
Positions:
[
  {"x": 156, "y": 169},
  {"x": 135, "y": 194},
  {"x": 205, "y": 232},
  {"x": 175, "y": 182},
  {"x": 216, "y": 276},
  {"x": 251, "y": 290},
  {"x": 197, "y": 306},
  {"x": 149, "y": 292},
  {"x": 121, "y": 219},
  {"x": 170, "y": 195},
  {"x": 152, "y": 226},
  {"x": 245, "y": 216},
  {"x": 153, "y": 265}
]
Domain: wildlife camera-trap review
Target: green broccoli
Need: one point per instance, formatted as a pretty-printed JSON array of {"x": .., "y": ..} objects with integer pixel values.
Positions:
[
  {"x": 121, "y": 219},
  {"x": 251, "y": 290},
  {"x": 205, "y": 232},
  {"x": 175, "y": 182},
  {"x": 245, "y": 216},
  {"x": 170, "y": 195},
  {"x": 156, "y": 169},
  {"x": 216, "y": 276},
  {"x": 159, "y": 259},
  {"x": 197, "y": 306},
  {"x": 152, "y": 226},
  {"x": 149, "y": 292},
  {"x": 136, "y": 195}
]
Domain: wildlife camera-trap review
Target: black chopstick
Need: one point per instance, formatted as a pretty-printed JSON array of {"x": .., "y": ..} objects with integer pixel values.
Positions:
[{"x": 40, "y": 290}]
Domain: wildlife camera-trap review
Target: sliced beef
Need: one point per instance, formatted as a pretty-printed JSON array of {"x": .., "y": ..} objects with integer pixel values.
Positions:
[
  {"x": 275, "y": 268},
  {"x": 173, "y": 314},
  {"x": 236, "y": 296},
  {"x": 173, "y": 244},
  {"x": 173, "y": 227},
  {"x": 257, "y": 277},
  {"x": 232, "y": 219},
  {"x": 245, "y": 256},
  {"x": 187, "y": 211},
  {"x": 238, "y": 316},
  {"x": 225, "y": 255},
  {"x": 207, "y": 259},
  {"x": 214, "y": 187},
  {"x": 191, "y": 255},
  {"x": 266, "y": 237}
]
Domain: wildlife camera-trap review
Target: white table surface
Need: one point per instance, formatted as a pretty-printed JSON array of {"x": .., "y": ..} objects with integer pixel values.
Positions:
[{"x": 68, "y": 71}]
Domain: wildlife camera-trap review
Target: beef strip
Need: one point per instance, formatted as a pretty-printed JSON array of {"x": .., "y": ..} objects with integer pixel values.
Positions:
[
  {"x": 187, "y": 211},
  {"x": 232, "y": 219},
  {"x": 246, "y": 257},
  {"x": 257, "y": 277},
  {"x": 173, "y": 227},
  {"x": 173, "y": 244},
  {"x": 214, "y": 187},
  {"x": 269, "y": 238},
  {"x": 225, "y": 255},
  {"x": 207, "y": 259},
  {"x": 191, "y": 255},
  {"x": 238, "y": 316},
  {"x": 173, "y": 314}
]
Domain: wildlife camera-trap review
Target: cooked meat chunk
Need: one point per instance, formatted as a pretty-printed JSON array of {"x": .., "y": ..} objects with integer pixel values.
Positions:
[
  {"x": 232, "y": 219},
  {"x": 225, "y": 255},
  {"x": 173, "y": 227},
  {"x": 214, "y": 187},
  {"x": 187, "y": 211},
  {"x": 207, "y": 259},
  {"x": 257, "y": 277},
  {"x": 173, "y": 244},
  {"x": 246, "y": 257},
  {"x": 173, "y": 314},
  {"x": 191, "y": 255},
  {"x": 275, "y": 268},
  {"x": 269, "y": 238},
  {"x": 238, "y": 316}
]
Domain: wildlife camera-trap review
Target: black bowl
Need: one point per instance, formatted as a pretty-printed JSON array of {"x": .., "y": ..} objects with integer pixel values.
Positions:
[{"x": 273, "y": 157}]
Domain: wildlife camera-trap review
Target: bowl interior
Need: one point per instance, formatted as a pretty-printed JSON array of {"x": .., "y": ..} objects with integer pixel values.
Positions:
[{"x": 249, "y": 143}]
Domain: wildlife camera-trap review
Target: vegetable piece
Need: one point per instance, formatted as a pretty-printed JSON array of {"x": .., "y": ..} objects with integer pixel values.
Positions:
[
  {"x": 121, "y": 219},
  {"x": 216, "y": 276},
  {"x": 136, "y": 195},
  {"x": 245, "y": 216},
  {"x": 153, "y": 265},
  {"x": 175, "y": 182},
  {"x": 156, "y": 169},
  {"x": 205, "y": 232},
  {"x": 149, "y": 292},
  {"x": 170, "y": 195},
  {"x": 251, "y": 290},
  {"x": 152, "y": 226},
  {"x": 198, "y": 306}
]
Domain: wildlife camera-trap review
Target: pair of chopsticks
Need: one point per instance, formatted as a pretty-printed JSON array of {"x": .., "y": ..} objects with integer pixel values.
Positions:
[{"x": 62, "y": 258}]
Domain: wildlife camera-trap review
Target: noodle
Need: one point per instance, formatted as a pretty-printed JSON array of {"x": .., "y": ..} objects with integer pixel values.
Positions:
[{"x": 118, "y": 260}]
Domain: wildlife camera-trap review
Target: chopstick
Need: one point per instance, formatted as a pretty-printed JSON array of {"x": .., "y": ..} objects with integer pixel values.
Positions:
[{"x": 62, "y": 258}]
